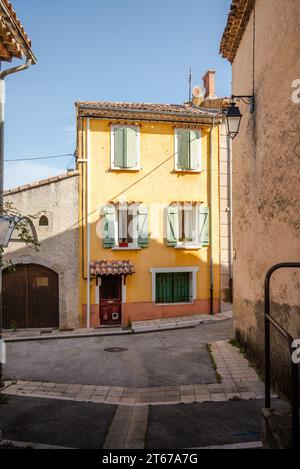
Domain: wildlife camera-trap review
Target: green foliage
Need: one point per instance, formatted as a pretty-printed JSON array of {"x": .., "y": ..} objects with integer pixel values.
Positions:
[
  {"x": 22, "y": 231},
  {"x": 214, "y": 365}
]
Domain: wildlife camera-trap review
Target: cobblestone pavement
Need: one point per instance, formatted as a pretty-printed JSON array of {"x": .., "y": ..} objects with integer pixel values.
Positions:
[{"x": 239, "y": 381}]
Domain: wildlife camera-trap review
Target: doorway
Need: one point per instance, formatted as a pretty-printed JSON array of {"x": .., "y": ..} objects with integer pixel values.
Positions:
[
  {"x": 30, "y": 297},
  {"x": 111, "y": 300}
]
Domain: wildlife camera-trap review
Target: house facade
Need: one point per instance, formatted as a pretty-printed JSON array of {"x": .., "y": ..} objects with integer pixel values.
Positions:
[
  {"x": 42, "y": 289},
  {"x": 261, "y": 40},
  {"x": 150, "y": 210}
]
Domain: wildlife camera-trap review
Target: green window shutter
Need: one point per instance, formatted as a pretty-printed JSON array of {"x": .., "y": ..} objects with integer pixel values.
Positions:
[
  {"x": 143, "y": 226},
  {"x": 196, "y": 150},
  {"x": 172, "y": 226},
  {"x": 181, "y": 287},
  {"x": 164, "y": 288},
  {"x": 203, "y": 220},
  {"x": 183, "y": 157},
  {"x": 109, "y": 226},
  {"x": 131, "y": 147},
  {"x": 119, "y": 147}
]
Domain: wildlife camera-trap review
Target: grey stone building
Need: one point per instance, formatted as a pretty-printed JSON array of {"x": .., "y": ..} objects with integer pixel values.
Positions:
[{"x": 43, "y": 289}]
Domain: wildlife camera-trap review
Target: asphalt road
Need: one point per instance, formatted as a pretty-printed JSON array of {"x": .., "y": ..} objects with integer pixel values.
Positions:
[
  {"x": 86, "y": 425},
  {"x": 206, "y": 424},
  {"x": 68, "y": 424},
  {"x": 154, "y": 359}
]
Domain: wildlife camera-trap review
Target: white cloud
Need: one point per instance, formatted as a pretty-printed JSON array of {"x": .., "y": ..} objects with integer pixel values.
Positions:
[{"x": 17, "y": 174}]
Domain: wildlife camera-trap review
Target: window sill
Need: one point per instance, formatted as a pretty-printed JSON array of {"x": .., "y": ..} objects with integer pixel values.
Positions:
[
  {"x": 188, "y": 171},
  {"x": 174, "y": 304},
  {"x": 129, "y": 248},
  {"x": 186, "y": 247},
  {"x": 130, "y": 170}
]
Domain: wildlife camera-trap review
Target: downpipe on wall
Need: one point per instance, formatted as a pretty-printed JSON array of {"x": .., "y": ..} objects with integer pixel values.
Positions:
[{"x": 211, "y": 266}]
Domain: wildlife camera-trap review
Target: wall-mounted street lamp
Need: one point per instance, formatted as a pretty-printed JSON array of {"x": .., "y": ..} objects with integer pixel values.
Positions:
[{"x": 233, "y": 114}]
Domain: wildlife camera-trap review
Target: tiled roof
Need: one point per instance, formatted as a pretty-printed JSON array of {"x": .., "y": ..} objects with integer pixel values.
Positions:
[
  {"x": 42, "y": 182},
  {"x": 238, "y": 18},
  {"x": 183, "y": 112},
  {"x": 102, "y": 268},
  {"x": 14, "y": 41}
]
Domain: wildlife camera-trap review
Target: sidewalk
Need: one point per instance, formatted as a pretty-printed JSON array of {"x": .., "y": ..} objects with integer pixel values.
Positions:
[
  {"x": 137, "y": 327},
  {"x": 239, "y": 382}
]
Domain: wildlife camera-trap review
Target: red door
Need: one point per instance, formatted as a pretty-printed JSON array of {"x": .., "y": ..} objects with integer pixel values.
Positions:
[{"x": 111, "y": 300}]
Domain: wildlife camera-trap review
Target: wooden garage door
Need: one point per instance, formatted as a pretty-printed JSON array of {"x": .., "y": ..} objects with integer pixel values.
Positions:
[{"x": 30, "y": 297}]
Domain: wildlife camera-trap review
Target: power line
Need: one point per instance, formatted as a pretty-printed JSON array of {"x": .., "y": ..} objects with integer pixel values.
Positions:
[{"x": 40, "y": 158}]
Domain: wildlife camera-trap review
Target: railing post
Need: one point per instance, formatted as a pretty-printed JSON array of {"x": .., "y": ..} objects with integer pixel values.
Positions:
[
  {"x": 267, "y": 344},
  {"x": 295, "y": 404}
]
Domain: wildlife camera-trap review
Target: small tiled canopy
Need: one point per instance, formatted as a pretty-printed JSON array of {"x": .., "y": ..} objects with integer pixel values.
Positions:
[{"x": 102, "y": 268}]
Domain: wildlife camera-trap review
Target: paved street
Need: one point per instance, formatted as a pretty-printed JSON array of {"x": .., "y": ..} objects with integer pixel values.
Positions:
[
  {"x": 55, "y": 422},
  {"x": 166, "y": 358},
  {"x": 164, "y": 413},
  {"x": 87, "y": 425}
]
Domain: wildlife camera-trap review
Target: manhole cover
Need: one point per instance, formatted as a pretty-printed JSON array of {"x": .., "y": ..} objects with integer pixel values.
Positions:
[{"x": 115, "y": 349}]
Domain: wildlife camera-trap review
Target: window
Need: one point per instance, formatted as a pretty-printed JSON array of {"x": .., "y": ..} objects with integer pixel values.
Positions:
[
  {"x": 173, "y": 287},
  {"x": 43, "y": 221},
  {"x": 174, "y": 284},
  {"x": 126, "y": 226},
  {"x": 125, "y": 147},
  {"x": 188, "y": 225},
  {"x": 188, "y": 150}
]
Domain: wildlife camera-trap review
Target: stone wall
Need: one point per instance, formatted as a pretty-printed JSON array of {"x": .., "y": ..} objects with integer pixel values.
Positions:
[
  {"x": 57, "y": 198},
  {"x": 266, "y": 178}
]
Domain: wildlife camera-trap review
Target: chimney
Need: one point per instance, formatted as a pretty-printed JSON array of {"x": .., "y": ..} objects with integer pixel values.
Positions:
[{"x": 209, "y": 84}]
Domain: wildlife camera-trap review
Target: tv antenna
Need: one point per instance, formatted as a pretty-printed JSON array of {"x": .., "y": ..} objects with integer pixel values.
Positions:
[{"x": 190, "y": 85}]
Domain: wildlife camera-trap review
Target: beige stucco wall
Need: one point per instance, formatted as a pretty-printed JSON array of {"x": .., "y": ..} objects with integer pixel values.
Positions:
[
  {"x": 266, "y": 175},
  {"x": 59, "y": 246}
]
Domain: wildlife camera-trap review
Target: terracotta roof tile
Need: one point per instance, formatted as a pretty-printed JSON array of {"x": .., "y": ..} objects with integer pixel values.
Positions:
[
  {"x": 144, "y": 110},
  {"x": 238, "y": 18},
  {"x": 101, "y": 268},
  {"x": 14, "y": 40},
  {"x": 41, "y": 182}
]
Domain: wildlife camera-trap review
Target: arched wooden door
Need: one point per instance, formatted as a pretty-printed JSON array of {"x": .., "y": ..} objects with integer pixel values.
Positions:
[{"x": 30, "y": 297}]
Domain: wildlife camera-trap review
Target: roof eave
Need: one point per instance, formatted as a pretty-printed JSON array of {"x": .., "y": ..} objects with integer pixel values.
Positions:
[
  {"x": 17, "y": 32},
  {"x": 238, "y": 18},
  {"x": 131, "y": 113}
]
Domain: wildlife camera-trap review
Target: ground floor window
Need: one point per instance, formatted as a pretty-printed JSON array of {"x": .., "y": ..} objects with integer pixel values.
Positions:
[{"x": 173, "y": 287}]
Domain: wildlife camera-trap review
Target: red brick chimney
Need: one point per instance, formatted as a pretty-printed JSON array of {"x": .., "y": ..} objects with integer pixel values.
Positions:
[{"x": 209, "y": 84}]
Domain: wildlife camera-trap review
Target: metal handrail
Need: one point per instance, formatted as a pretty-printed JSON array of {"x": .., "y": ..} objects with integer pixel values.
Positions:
[{"x": 269, "y": 320}]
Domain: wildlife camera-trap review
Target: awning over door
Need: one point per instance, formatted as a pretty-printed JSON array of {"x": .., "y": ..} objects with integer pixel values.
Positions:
[{"x": 102, "y": 268}]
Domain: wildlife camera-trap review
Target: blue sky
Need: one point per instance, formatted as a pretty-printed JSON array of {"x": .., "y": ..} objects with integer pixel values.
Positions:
[{"x": 115, "y": 50}]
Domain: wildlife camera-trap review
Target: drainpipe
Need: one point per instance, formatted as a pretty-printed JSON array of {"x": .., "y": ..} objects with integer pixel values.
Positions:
[
  {"x": 211, "y": 267},
  {"x": 3, "y": 75},
  {"x": 88, "y": 228},
  {"x": 229, "y": 150}
]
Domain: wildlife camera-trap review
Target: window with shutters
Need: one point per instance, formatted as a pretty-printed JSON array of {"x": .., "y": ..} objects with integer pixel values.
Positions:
[
  {"x": 173, "y": 287},
  {"x": 125, "y": 147},
  {"x": 126, "y": 226},
  {"x": 188, "y": 150},
  {"x": 188, "y": 226}
]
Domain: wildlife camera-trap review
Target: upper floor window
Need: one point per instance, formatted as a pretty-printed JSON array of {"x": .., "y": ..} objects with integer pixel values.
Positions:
[
  {"x": 126, "y": 226},
  {"x": 125, "y": 147},
  {"x": 188, "y": 150},
  {"x": 187, "y": 225},
  {"x": 43, "y": 221}
]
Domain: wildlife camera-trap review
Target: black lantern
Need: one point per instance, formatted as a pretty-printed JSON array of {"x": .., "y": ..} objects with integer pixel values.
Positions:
[{"x": 233, "y": 118}]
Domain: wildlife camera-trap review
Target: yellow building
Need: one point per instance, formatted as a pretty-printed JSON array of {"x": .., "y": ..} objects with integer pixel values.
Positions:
[{"x": 149, "y": 211}]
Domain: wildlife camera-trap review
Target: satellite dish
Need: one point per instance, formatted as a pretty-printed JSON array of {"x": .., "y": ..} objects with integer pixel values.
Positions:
[{"x": 198, "y": 91}]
